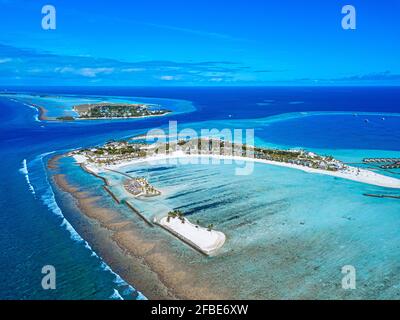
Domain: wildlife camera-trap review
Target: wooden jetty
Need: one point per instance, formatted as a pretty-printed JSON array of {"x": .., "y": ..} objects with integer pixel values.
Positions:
[
  {"x": 381, "y": 196},
  {"x": 112, "y": 194},
  {"x": 381, "y": 160},
  {"x": 395, "y": 165},
  {"x": 386, "y": 163},
  {"x": 94, "y": 174},
  {"x": 138, "y": 213}
]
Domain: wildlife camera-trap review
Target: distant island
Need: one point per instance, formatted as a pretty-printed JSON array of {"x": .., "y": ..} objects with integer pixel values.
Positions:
[
  {"x": 106, "y": 110},
  {"x": 48, "y": 110}
]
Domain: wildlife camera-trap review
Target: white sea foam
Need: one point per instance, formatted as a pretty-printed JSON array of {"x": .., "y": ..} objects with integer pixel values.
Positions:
[
  {"x": 116, "y": 295},
  {"x": 48, "y": 199},
  {"x": 25, "y": 172},
  {"x": 36, "y": 116},
  {"x": 140, "y": 296}
]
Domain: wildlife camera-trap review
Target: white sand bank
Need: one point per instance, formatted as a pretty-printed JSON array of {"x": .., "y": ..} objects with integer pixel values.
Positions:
[{"x": 205, "y": 240}]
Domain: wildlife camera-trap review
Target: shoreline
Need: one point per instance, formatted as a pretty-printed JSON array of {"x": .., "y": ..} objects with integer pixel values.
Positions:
[
  {"x": 203, "y": 240},
  {"x": 43, "y": 116},
  {"x": 42, "y": 113},
  {"x": 351, "y": 173},
  {"x": 124, "y": 118}
]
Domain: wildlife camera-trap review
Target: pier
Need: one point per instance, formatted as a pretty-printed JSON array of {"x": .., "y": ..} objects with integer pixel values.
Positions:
[
  {"x": 386, "y": 163},
  {"x": 395, "y": 165},
  {"x": 94, "y": 174},
  {"x": 138, "y": 213},
  {"x": 381, "y": 196},
  {"x": 381, "y": 160},
  {"x": 123, "y": 173},
  {"x": 112, "y": 194}
]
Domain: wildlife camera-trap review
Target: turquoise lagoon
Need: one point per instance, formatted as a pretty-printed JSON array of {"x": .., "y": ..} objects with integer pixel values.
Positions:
[
  {"x": 62, "y": 105},
  {"x": 289, "y": 233}
]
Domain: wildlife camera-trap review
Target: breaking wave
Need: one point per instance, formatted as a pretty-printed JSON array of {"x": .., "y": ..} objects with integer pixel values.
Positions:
[
  {"x": 36, "y": 116},
  {"x": 48, "y": 198},
  {"x": 25, "y": 172}
]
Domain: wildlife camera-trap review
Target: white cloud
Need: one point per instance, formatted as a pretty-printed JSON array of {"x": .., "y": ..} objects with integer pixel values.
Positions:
[
  {"x": 64, "y": 70},
  {"x": 168, "y": 78},
  {"x": 5, "y": 60},
  {"x": 86, "y": 72},
  {"x": 133, "y": 69},
  {"x": 93, "y": 72},
  {"x": 35, "y": 70},
  {"x": 217, "y": 79}
]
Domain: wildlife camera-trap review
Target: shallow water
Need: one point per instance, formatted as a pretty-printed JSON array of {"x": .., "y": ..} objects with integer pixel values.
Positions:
[{"x": 58, "y": 106}]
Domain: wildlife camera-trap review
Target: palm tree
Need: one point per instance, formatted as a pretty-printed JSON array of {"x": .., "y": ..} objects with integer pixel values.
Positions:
[
  {"x": 210, "y": 227},
  {"x": 176, "y": 214},
  {"x": 180, "y": 215},
  {"x": 171, "y": 214}
]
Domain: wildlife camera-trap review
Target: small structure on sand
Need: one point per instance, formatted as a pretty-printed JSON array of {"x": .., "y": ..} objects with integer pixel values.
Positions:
[{"x": 140, "y": 187}]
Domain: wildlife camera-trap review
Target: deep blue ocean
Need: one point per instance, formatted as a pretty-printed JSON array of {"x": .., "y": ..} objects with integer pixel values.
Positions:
[{"x": 33, "y": 232}]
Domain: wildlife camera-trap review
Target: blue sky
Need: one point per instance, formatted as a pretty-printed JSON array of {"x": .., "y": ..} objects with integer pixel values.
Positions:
[{"x": 186, "y": 42}]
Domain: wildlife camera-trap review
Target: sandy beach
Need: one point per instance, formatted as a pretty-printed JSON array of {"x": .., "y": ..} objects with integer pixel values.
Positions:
[
  {"x": 43, "y": 114},
  {"x": 350, "y": 173},
  {"x": 125, "y": 118},
  {"x": 206, "y": 241}
]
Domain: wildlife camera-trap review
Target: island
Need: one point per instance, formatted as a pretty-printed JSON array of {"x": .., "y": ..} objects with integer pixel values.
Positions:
[
  {"x": 119, "y": 153},
  {"x": 204, "y": 240},
  {"x": 140, "y": 187},
  {"x": 106, "y": 110},
  {"x": 69, "y": 108},
  {"x": 161, "y": 245},
  {"x": 116, "y": 154}
]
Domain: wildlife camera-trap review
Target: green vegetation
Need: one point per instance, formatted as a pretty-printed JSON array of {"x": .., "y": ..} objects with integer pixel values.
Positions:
[
  {"x": 176, "y": 214},
  {"x": 65, "y": 118},
  {"x": 121, "y": 150},
  {"x": 114, "y": 152},
  {"x": 116, "y": 110}
]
